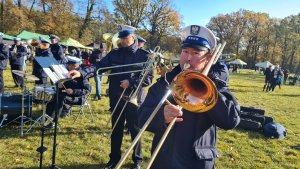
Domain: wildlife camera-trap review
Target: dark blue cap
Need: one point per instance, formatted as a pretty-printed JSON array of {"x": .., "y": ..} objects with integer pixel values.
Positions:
[
  {"x": 42, "y": 40},
  {"x": 196, "y": 42},
  {"x": 17, "y": 39},
  {"x": 198, "y": 37},
  {"x": 125, "y": 30},
  {"x": 140, "y": 39},
  {"x": 54, "y": 37},
  {"x": 274, "y": 130}
]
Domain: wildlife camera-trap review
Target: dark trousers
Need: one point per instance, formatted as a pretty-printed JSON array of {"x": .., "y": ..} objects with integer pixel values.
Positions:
[
  {"x": 17, "y": 79},
  {"x": 273, "y": 84},
  {"x": 130, "y": 115},
  {"x": 64, "y": 104},
  {"x": 42, "y": 81},
  {"x": 1, "y": 81}
]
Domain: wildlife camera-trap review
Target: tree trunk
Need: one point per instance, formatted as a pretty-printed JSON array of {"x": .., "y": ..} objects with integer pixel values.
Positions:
[
  {"x": 2, "y": 16},
  {"x": 32, "y": 5},
  {"x": 87, "y": 18}
]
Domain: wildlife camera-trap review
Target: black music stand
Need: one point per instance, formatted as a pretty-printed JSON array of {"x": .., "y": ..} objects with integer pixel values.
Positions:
[{"x": 45, "y": 63}]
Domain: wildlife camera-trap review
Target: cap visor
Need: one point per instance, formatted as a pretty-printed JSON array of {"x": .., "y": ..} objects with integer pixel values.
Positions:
[{"x": 195, "y": 46}]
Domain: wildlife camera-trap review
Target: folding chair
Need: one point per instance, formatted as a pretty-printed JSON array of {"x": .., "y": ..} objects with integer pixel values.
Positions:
[{"x": 84, "y": 103}]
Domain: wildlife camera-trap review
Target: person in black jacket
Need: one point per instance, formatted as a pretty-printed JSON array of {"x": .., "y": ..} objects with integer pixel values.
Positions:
[
  {"x": 57, "y": 50},
  {"x": 95, "y": 57},
  {"x": 16, "y": 59},
  {"x": 128, "y": 53},
  {"x": 43, "y": 51},
  {"x": 191, "y": 142},
  {"x": 70, "y": 92},
  {"x": 4, "y": 55},
  {"x": 267, "y": 78}
]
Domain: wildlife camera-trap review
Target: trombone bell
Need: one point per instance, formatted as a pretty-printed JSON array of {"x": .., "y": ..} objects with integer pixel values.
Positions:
[{"x": 194, "y": 92}]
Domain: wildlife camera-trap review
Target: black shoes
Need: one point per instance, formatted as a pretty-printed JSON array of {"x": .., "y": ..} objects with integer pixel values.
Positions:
[
  {"x": 136, "y": 165},
  {"x": 97, "y": 97},
  {"x": 50, "y": 126},
  {"x": 110, "y": 165}
]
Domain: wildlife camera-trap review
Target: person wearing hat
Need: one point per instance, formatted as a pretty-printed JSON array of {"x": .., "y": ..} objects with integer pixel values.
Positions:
[
  {"x": 70, "y": 92},
  {"x": 57, "y": 50},
  {"x": 4, "y": 55},
  {"x": 95, "y": 57},
  {"x": 141, "y": 42},
  {"x": 17, "y": 56},
  {"x": 128, "y": 53},
  {"x": 267, "y": 78},
  {"x": 43, "y": 51},
  {"x": 191, "y": 142}
]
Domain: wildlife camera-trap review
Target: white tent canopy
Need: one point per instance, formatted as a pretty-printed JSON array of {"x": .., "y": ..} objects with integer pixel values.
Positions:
[
  {"x": 264, "y": 64},
  {"x": 237, "y": 62}
]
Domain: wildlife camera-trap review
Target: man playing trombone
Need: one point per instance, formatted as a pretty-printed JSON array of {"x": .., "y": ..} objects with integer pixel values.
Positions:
[
  {"x": 191, "y": 141},
  {"x": 128, "y": 53}
]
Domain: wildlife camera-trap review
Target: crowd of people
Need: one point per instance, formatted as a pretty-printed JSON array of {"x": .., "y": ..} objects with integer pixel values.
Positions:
[{"x": 274, "y": 77}]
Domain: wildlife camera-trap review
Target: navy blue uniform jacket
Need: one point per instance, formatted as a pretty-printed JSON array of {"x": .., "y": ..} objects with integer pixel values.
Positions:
[
  {"x": 58, "y": 53},
  {"x": 37, "y": 69},
  {"x": 191, "y": 143},
  {"x": 80, "y": 86},
  {"x": 17, "y": 59},
  {"x": 4, "y": 55},
  {"x": 121, "y": 56}
]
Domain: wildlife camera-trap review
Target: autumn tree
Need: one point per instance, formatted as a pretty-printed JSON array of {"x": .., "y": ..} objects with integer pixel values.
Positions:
[{"x": 130, "y": 12}]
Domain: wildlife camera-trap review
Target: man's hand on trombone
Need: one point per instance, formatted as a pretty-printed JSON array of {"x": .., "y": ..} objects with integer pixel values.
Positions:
[
  {"x": 125, "y": 84},
  {"x": 171, "y": 111}
]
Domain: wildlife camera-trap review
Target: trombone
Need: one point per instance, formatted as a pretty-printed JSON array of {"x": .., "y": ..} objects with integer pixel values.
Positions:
[
  {"x": 193, "y": 91},
  {"x": 133, "y": 95}
]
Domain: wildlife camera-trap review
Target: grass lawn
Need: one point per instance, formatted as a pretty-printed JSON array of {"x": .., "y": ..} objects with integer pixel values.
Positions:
[{"x": 87, "y": 145}]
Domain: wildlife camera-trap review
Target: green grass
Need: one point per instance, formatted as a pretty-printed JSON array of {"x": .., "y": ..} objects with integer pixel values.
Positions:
[{"x": 87, "y": 144}]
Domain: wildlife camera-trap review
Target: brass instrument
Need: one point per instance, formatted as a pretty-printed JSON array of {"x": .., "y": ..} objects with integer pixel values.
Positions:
[
  {"x": 193, "y": 91},
  {"x": 14, "y": 54},
  {"x": 116, "y": 41},
  {"x": 34, "y": 44},
  {"x": 108, "y": 40}
]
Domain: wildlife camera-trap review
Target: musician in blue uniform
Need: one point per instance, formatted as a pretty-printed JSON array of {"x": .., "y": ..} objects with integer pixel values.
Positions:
[
  {"x": 141, "y": 94},
  {"x": 43, "y": 51},
  {"x": 191, "y": 142},
  {"x": 70, "y": 92},
  {"x": 128, "y": 53},
  {"x": 57, "y": 50},
  {"x": 4, "y": 55},
  {"x": 16, "y": 60}
]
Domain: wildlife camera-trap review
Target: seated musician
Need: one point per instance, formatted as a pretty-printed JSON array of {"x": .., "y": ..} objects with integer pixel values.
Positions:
[{"x": 70, "y": 92}]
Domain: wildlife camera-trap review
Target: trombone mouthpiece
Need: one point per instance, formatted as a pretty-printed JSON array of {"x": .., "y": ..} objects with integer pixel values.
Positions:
[{"x": 186, "y": 66}]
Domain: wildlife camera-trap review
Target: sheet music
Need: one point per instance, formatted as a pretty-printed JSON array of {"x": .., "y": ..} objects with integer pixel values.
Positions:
[
  {"x": 60, "y": 71},
  {"x": 52, "y": 75}
]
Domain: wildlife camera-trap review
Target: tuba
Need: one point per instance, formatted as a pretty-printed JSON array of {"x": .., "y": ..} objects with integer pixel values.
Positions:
[
  {"x": 34, "y": 44},
  {"x": 108, "y": 40}
]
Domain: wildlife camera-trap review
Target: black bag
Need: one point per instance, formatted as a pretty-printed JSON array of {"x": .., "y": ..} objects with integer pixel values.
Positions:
[
  {"x": 253, "y": 119},
  {"x": 252, "y": 110},
  {"x": 248, "y": 124},
  {"x": 274, "y": 130}
]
